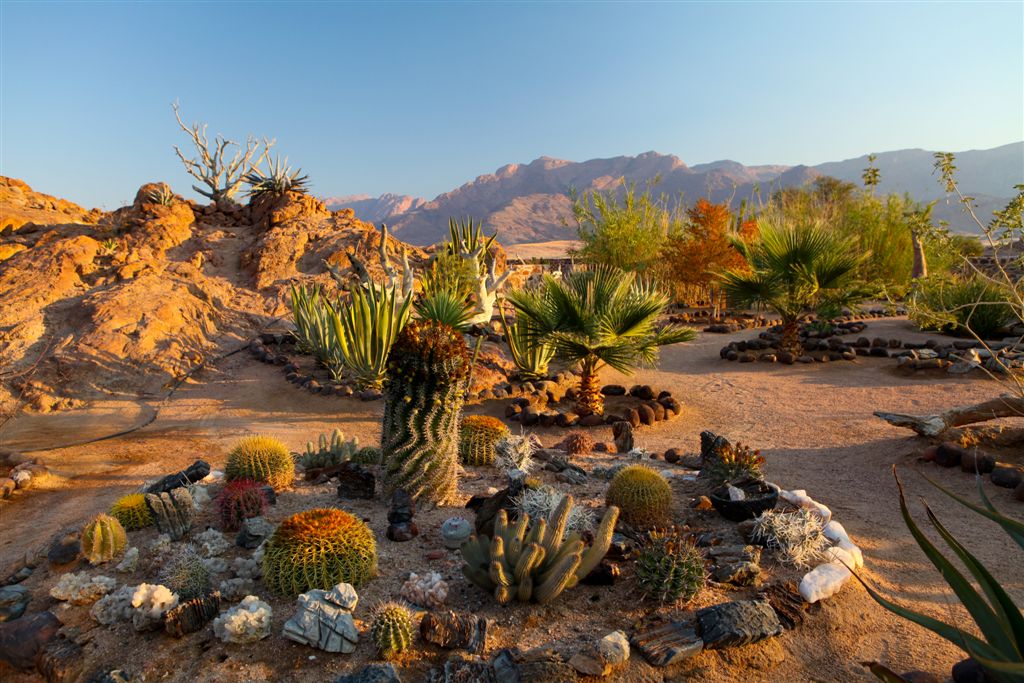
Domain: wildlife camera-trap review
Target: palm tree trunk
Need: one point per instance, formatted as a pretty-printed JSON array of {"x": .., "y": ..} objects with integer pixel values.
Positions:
[
  {"x": 920, "y": 262},
  {"x": 791, "y": 338},
  {"x": 589, "y": 400}
]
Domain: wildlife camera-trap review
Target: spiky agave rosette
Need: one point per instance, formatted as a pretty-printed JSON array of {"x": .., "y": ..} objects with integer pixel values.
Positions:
[{"x": 428, "y": 368}]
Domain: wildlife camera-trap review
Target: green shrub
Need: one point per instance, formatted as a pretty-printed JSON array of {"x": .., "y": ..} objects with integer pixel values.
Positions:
[{"x": 961, "y": 306}]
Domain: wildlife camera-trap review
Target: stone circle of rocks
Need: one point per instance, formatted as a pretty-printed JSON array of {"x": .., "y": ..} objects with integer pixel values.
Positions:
[
  {"x": 974, "y": 461},
  {"x": 20, "y": 473},
  {"x": 739, "y": 321},
  {"x": 543, "y": 406}
]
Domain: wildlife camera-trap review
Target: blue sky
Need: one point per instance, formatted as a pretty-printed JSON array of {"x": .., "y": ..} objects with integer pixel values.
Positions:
[{"x": 418, "y": 98}]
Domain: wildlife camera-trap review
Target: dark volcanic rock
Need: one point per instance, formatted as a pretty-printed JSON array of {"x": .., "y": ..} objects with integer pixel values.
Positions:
[
  {"x": 21, "y": 640},
  {"x": 669, "y": 643},
  {"x": 193, "y": 473},
  {"x": 740, "y": 622},
  {"x": 355, "y": 481}
]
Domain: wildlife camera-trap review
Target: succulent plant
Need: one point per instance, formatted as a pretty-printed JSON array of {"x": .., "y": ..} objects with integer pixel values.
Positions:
[
  {"x": 391, "y": 630},
  {"x": 578, "y": 443},
  {"x": 238, "y": 501},
  {"x": 643, "y": 495},
  {"x": 669, "y": 567},
  {"x": 539, "y": 502},
  {"x": 186, "y": 574},
  {"x": 478, "y": 435},
  {"x": 103, "y": 539},
  {"x": 734, "y": 462},
  {"x": 162, "y": 195},
  {"x": 334, "y": 451},
  {"x": 367, "y": 455},
  {"x": 515, "y": 452},
  {"x": 428, "y": 369},
  {"x": 279, "y": 179},
  {"x": 534, "y": 562},
  {"x": 261, "y": 458},
  {"x": 132, "y": 512},
  {"x": 319, "y": 548},
  {"x": 797, "y": 538}
]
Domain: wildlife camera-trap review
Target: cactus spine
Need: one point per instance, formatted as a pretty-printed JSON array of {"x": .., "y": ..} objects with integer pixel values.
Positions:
[
  {"x": 535, "y": 562},
  {"x": 391, "y": 629},
  {"x": 132, "y": 512},
  {"x": 428, "y": 369},
  {"x": 103, "y": 539},
  {"x": 478, "y": 436},
  {"x": 644, "y": 496},
  {"x": 333, "y": 451},
  {"x": 261, "y": 458}
]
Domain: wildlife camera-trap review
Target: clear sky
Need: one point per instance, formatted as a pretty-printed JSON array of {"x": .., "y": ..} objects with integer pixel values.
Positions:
[{"x": 418, "y": 98}]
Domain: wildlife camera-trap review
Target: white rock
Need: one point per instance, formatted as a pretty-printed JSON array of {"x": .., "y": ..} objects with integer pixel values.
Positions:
[
  {"x": 130, "y": 561},
  {"x": 837, "y": 554},
  {"x": 22, "y": 478},
  {"x": 324, "y": 624},
  {"x": 246, "y": 622},
  {"x": 82, "y": 589},
  {"x": 835, "y": 532},
  {"x": 247, "y": 568},
  {"x": 736, "y": 493},
  {"x": 215, "y": 476},
  {"x": 215, "y": 565},
  {"x": 344, "y": 596},
  {"x": 237, "y": 588},
  {"x": 200, "y": 496},
  {"x": 150, "y": 603},
  {"x": 114, "y": 607},
  {"x": 212, "y": 543},
  {"x": 160, "y": 544},
  {"x": 614, "y": 648},
  {"x": 429, "y": 590},
  {"x": 800, "y": 499},
  {"x": 823, "y": 581}
]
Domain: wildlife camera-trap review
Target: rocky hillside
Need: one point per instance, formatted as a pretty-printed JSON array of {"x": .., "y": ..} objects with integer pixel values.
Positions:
[
  {"x": 528, "y": 202},
  {"x": 126, "y": 303}
]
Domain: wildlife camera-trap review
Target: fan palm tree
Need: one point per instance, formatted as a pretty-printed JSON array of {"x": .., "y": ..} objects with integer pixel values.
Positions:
[
  {"x": 793, "y": 270},
  {"x": 598, "y": 317}
]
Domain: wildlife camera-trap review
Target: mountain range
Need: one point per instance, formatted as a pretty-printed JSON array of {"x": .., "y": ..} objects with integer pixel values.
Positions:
[{"x": 529, "y": 203}]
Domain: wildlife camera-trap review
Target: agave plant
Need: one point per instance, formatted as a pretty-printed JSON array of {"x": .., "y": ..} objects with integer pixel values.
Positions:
[
  {"x": 466, "y": 236},
  {"x": 278, "y": 180},
  {"x": 1000, "y": 649},
  {"x": 313, "y": 315},
  {"x": 446, "y": 306},
  {"x": 366, "y": 327},
  {"x": 793, "y": 270},
  {"x": 161, "y": 195},
  {"x": 595, "y": 318},
  {"x": 530, "y": 353}
]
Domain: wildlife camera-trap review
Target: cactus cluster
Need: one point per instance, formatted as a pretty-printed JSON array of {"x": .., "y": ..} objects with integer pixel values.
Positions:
[
  {"x": 333, "y": 451},
  {"x": 103, "y": 539},
  {"x": 319, "y": 548},
  {"x": 391, "y": 629},
  {"x": 534, "y": 562},
  {"x": 578, "y": 443},
  {"x": 478, "y": 435},
  {"x": 733, "y": 463},
  {"x": 186, "y": 574},
  {"x": 428, "y": 369},
  {"x": 261, "y": 458},
  {"x": 132, "y": 512},
  {"x": 643, "y": 495},
  {"x": 670, "y": 568},
  {"x": 238, "y": 501}
]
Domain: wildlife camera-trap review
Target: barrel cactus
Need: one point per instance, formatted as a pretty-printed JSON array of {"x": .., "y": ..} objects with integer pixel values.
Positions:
[
  {"x": 186, "y": 574},
  {"x": 103, "y": 539},
  {"x": 132, "y": 512},
  {"x": 238, "y": 501},
  {"x": 535, "y": 562},
  {"x": 643, "y": 495},
  {"x": 428, "y": 369},
  {"x": 478, "y": 435},
  {"x": 670, "y": 568},
  {"x": 319, "y": 548},
  {"x": 261, "y": 458},
  {"x": 391, "y": 629}
]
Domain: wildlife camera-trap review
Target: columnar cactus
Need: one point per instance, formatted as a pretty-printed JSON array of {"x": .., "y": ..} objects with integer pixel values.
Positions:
[
  {"x": 478, "y": 435},
  {"x": 103, "y": 539},
  {"x": 132, "y": 512},
  {"x": 391, "y": 629},
  {"x": 428, "y": 369},
  {"x": 535, "y": 562}
]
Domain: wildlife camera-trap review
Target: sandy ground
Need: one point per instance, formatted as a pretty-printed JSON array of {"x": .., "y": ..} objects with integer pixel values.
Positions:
[{"x": 813, "y": 424}]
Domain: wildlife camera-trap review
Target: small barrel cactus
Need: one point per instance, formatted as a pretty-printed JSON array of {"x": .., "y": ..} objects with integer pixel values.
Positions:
[
  {"x": 478, "y": 435},
  {"x": 391, "y": 629},
  {"x": 103, "y": 539},
  {"x": 261, "y": 458},
  {"x": 238, "y": 501},
  {"x": 186, "y": 574},
  {"x": 319, "y": 548},
  {"x": 578, "y": 443},
  {"x": 643, "y": 496},
  {"x": 132, "y": 512},
  {"x": 670, "y": 568}
]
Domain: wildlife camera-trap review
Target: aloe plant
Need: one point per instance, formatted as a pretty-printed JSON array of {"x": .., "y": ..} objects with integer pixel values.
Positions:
[
  {"x": 312, "y": 313},
  {"x": 365, "y": 329},
  {"x": 1000, "y": 649},
  {"x": 530, "y": 353},
  {"x": 278, "y": 180}
]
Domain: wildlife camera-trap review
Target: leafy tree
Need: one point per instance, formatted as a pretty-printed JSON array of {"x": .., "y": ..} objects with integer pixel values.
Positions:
[
  {"x": 624, "y": 228},
  {"x": 598, "y": 317},
  {"x": 793, "y": 270}
]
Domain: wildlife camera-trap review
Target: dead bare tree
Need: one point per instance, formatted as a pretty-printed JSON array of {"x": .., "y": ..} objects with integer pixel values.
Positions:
[{"x": 213, "y": 167}]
